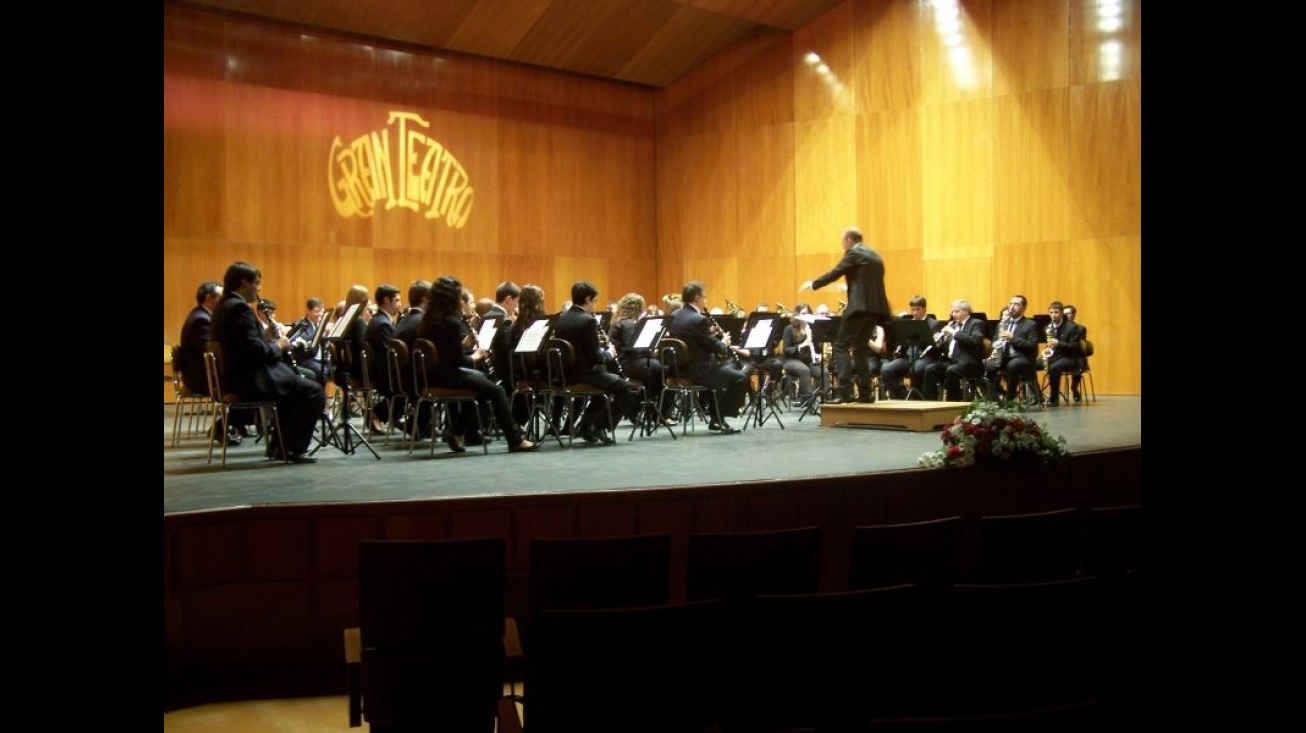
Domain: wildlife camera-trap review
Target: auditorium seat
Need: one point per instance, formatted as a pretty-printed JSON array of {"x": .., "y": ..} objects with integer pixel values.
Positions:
[
  {"x": 430, "y": 636},
  {"x": 1020, "y": 548},
  {"x": 736, "y": 565},
  {"x": 926, "y": 553}
]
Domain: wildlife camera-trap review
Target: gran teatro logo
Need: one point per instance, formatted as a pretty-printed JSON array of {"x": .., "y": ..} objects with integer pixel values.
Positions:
[{"x": 403, "y": 167}]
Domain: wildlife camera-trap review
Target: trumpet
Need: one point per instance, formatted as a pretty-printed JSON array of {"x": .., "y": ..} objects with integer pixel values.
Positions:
[
  {"x": 733, "y": 309},
  {"x": 782, "y": 310}
]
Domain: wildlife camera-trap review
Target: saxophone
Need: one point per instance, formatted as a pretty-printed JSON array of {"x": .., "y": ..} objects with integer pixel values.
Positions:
[
  {"x": 1045, "y": 358},
  {"x": 999, "y": 351}
]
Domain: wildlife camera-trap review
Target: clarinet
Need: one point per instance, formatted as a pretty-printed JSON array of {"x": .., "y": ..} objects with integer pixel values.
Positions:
[{"x": 605, "y": 345}]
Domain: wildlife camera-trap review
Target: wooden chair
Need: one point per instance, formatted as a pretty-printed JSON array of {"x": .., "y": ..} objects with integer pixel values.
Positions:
[
  {"x": 576, "y": 396},
  {"x": 429, "y": 651},
  {"x": 425, "y": 359},
  {"x": 737, "y": 565},
  {"x": 1022, "y": 548},
  {"x": 398, "y": 362},
  {"x": 224, "y": 402},
  {"x": 185, "y": 403},
  {"x": 924, "y": 553},
  {"x": 683, "y": 392}
]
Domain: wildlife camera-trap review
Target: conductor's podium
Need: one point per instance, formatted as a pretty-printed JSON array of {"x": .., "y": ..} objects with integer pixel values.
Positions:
[{"x": 915, "y": 415}]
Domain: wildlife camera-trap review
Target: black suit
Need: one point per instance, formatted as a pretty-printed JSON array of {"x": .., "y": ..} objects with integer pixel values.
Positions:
[
  {"x": 581, "y": 329},
  {"x": 639, "y": 363},
  {"x": 912, "y": 359},
  {"x": 963, "y": 357},
  {"x": 378, "y": 335},
  {"x": 700, "y": 364},
  {"x": 1066, "y": 356},
  {"x": 255, "y": 370},
  {"x": 190, "y": 353},
  {"x": 867, "y": 307},
  {"x": 1017, "y": 360}
]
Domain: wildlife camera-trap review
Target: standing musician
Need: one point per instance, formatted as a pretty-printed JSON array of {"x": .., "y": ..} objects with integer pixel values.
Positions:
[
  {"x": 445, "y": 327},
  {"x": 255, "y": 369},
  {"x": 863, "y": 270},
  {"x": 1063, "y": 352},
  {"x": 691, "y": 324},
  {"x": 378, "y": 334},
  {"x": 911, "y": 359},
  {"x": 578, "y": 326},
  {"x": 961, "y": 342},
  {"x": 1015, "y": 348}
]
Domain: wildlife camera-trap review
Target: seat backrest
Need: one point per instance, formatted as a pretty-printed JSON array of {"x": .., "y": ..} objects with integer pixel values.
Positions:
[
  {"x": 1023, "y": 548},
  {"x": 214, "y": 371},
  {"x": 425, "y": 359},
  {"x": 737, "y": 565},
  {"x": 397, "y": 362},
  {"x": 829, "y": 660},
  {"x": 431, "y": 619},
  {"x": 561, "y": 355},
  {"x": 647, "y": 669},
  {"x": 670, "y": 352},
  {"x": 926, "y": 553},
  {"x": 1114, "y": 541},
  {"x": 1087, "y": 347},
  {"x": 600, "y": 572}
]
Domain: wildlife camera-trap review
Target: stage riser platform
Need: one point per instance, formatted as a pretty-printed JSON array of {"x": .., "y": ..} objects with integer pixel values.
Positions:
[{"x": 915, "y": 415}]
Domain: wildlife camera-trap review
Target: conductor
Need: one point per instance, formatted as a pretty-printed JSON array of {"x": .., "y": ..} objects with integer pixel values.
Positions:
[{"x": 868, "y": 306}]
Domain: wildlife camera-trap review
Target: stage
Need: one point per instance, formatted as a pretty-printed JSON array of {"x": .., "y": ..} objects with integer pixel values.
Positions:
[
  {"x": 260, "y": 559},
  {"x": 802, "y": 449}
]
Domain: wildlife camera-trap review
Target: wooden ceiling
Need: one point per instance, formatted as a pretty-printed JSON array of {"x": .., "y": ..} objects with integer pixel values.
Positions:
[{"x": 649, "y": 42}]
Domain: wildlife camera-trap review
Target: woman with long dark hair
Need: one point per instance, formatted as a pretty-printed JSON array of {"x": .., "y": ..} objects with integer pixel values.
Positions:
[{"x": 444, "y": 326}]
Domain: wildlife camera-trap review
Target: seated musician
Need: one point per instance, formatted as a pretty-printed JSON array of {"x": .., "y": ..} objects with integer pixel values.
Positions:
[
  {"x": 910, "y": 359},
  {"x": 691, "y": 324},
  {"x": 1071, "y": 314},
  {"x": 802, "y": 359},
  {"x": 444, "y": 326},
  {"x": 1015, "y": 347},
  {"x": 578, "y": 326},
  {"x": 302, "y": 333},
  {"x": 1063, "y": 352},
  {"x": 638, "y": 363},
  {"x": 195, "y": 335},
  {"x": 255, "y": 368},
  {"x": 961, "y": 342},
  {"x": 377, "y": 336}
]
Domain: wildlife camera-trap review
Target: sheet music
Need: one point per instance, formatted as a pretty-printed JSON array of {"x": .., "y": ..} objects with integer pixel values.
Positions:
[
  {"x": 760, "y": 334},
  {"x": 533, "y": 336},
  {"x": 649, "y": 331},
  {"x": 489, "y": 327},
  {"x": 345, "y": 320}
]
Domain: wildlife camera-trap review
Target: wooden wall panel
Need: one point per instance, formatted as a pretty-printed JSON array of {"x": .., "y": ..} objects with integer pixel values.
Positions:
[
  {"x": 560, "y": 166},
  {"x": 1031, "y": 167},
  {"x": 1106, "y": 159},
  {"x": 957, "y": 142},
  {"x": 887, "y": 37},
  {"x": 1030, "y": 44},
  {"x": 825, "y": 184}
]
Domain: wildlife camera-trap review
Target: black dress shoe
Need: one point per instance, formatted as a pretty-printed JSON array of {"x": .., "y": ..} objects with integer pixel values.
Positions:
[
  {"x": 589, "y": 434},
  {"x": 233, "y": 438},
  {"x": 301, "y": 458},
  {"x": 454, "y": 441},
  {"x": 722, "y": 428},
  {"x": 524, "y": 446}
]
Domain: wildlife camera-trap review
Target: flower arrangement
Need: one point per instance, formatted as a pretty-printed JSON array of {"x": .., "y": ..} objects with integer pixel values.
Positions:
[{"x": 987, "y": 433}]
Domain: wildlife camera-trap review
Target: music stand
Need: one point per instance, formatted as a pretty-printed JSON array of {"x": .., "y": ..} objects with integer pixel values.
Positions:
[
  {"x": 347, "y": 443},
  {"x": 760, "y": 336},
  {"x": 647, "y": 335},
  {"x": 910, "y": 333},
  {"x": 534, "y": 342},
  {"x": 824, "y": 331},
  {"x": 733, "y": 325}
]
